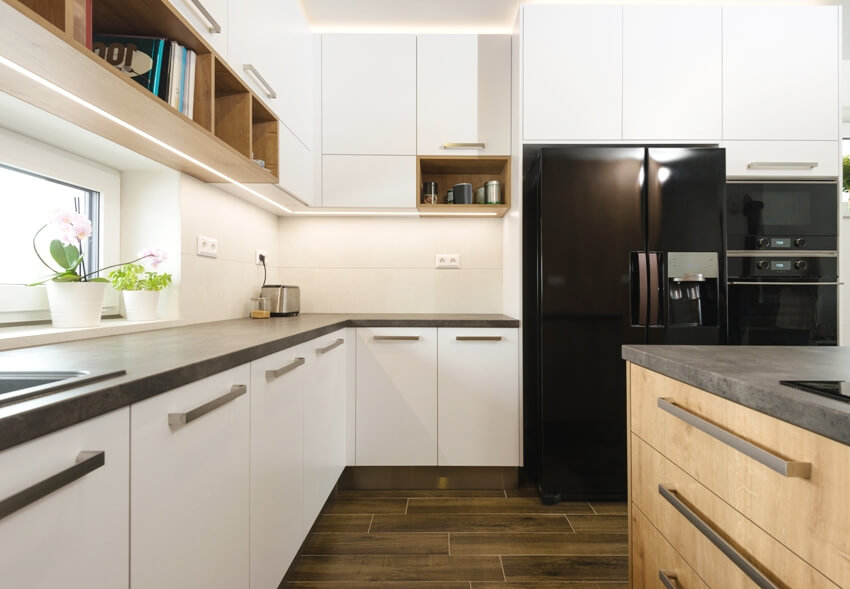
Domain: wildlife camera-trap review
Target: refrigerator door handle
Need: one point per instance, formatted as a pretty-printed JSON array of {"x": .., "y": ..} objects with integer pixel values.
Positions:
[
  {"x": 656, "y": 285},
  {"x": 639, "y": 289}
]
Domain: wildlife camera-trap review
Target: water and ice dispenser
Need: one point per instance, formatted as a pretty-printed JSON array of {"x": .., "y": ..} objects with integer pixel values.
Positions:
[{"x": 693, "y": 289}]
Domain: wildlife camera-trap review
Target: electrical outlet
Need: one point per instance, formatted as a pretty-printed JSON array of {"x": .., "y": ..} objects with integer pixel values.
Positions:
[
  {"x": 448, "y": 260},
  {"x": 207, "y": 246},
  {"x": 257, "y": 254}
]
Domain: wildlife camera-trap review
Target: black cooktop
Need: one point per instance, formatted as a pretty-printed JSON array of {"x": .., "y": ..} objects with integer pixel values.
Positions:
[{"x": 837, "y": 389}]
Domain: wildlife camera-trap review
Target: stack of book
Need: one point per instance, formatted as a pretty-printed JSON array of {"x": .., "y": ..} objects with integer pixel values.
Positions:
[{"x": 165, "y": 68}]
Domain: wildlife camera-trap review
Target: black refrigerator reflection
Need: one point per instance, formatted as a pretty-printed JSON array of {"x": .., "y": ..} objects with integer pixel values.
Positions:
[{"x": 621, "y": 245}]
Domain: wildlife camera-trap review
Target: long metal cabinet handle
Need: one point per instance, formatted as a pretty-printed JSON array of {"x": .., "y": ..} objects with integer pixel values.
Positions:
[
  {"x": 406, "y": 338},
  {"x": 330, "y": 347},
  {"x": 463, "y": 146},
  {"x": 786, "y": 468},
  {"x": 479, "y": 338},
  {"x": 655, "y": 284},
  {"x": 273, "y": 374},
  {"x": 781, "y": 165},
  {"x": 668, "y": 579},
  {"x": 643, "y": 290},
  {"x": 706, "y": 530},
  {"x": 236, "y": 391},
  {"x": 765, "y": 283},
  {"x": 253, "y": 71},
  {"x": 86, "y": 462},
  {"x": 213, "y": 25}
]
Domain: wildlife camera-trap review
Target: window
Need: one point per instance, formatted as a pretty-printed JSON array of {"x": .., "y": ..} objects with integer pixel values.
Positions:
[{"x": 845, "y": 196}]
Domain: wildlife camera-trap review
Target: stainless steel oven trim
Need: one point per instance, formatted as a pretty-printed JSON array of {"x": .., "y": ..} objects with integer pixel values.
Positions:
[
  {"x": 783, "y": 180},
  {"x": 797, "y": 253},
  {"x": 769, "y": 283}
]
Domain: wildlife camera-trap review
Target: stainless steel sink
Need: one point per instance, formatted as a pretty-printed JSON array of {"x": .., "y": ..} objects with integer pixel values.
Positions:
[{"x": 19, "y": 386}]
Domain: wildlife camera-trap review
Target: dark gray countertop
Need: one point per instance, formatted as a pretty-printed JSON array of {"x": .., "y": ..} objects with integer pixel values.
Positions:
[
  {"x": 750, "y": 375},
  {"x": 158, "y": 361}
]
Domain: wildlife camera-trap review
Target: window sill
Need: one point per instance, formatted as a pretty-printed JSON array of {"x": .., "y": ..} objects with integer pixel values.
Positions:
[{"x": 24, "y": 336}]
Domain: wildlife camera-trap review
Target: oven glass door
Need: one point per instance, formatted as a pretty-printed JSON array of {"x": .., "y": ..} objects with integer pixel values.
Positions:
[
  {"x": 783, "y": 314},
  {"x": 781, "y": 208}
]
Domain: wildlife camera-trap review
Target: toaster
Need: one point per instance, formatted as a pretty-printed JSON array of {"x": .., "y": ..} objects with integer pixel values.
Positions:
[{"x": 284, "y": 301}]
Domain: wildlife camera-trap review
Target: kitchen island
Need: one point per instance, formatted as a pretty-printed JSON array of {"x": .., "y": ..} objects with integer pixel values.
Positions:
[{"x": 734, "y": 478}]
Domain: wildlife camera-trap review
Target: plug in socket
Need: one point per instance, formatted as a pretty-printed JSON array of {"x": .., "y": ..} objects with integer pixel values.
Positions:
[{"x": 257, "y": 254}]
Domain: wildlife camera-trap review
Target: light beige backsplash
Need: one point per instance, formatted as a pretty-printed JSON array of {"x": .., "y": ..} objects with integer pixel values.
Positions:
[{"x": 386, "y": 264}]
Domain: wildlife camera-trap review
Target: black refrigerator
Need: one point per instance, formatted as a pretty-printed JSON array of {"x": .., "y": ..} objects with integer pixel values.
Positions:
[{"x": 621, "y": 245}]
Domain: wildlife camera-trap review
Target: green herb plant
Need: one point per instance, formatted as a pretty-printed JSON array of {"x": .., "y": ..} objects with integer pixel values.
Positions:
[{"x": 135, "y": 277}]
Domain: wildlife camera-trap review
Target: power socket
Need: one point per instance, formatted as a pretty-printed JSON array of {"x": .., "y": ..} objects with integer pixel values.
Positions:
[
  {"x": 448, "y": 261},
  {"x": 257, "y": 254},
  {"x": 207, "y": 246}
]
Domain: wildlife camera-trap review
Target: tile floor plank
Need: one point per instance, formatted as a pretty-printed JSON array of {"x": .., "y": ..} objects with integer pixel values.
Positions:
[
  {"x": 551, "y": 585},
  {"x": 410, "y": 493},
  {"x": 439, "y": 522},
  {"x": 566, "y": 568},
  {"x": 379, "y": 585},
  {"x": 392, "y": 543},
  {"x": 366, "y": 505},
  {"x": 342, "y": 523},
  {"x": 395, "y": 568},
  {"x": 600, "y": 523},
  {"x": 540, "y": 544},
  {"x": 606, "y": 508},
  {"x": 494, "y": 505}
]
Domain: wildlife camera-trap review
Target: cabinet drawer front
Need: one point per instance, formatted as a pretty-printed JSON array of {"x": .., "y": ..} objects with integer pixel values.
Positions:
[
  {"x": 768, "y": 558},
  {"x": 808, "y": 515},
  {"x": 782, "y": 159},
  {"x": 651, "y": 554}
]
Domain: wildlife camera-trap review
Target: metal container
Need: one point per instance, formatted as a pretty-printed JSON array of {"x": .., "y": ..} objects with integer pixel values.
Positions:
[
  {"x": 429, "y": 193},
  {"x": 463, "y": 193},
  {"x": 480, "y": 197},
  {"x": 284, "y": 301},
  {"x": 493, "y": 190},
  {"x": 450, "y": 196}
]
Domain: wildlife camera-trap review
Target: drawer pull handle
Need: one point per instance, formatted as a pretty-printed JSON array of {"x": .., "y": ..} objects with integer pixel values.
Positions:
[
  {"x": 706, "y": 530},
  {"x": 479, "y": 338},
  {"x": 330, "y": 347},
  {"x": 273, "y": 374},
  {"x": 668, "y": 579},
  {"x": 463, "y": 145},
  {"x": 250, "y": 69},
  {"x": 782, "y": 165},
  {"x": 400, "y": 338},
  {"x": 786, "y": 468},
  {"x": 236, "y": 391},
  {"x": 86, "y": 462},
  {"x": 212, "y": 25}
]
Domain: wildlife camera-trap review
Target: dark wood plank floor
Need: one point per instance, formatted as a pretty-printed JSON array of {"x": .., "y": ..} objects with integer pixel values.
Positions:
[{"x": 462, "y": 540}]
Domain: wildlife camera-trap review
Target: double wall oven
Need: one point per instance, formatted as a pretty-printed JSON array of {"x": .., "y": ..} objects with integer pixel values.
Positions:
[{"x": 782, "y": 262}]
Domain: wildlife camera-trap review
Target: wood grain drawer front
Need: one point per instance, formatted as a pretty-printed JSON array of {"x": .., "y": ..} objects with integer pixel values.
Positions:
[
  {"x": 744, "y": 555},
  {"x": 808, "y": 515},
  {"x": 652, "y": 555}
]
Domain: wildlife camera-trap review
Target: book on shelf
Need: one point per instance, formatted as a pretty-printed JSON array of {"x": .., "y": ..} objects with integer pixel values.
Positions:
[{"x": 139, "y": 58}]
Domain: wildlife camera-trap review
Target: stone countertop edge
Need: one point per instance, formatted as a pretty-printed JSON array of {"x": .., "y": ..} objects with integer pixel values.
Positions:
[
  {"x": 34, "y": 418},
  {"x": 815, "y": 413}
]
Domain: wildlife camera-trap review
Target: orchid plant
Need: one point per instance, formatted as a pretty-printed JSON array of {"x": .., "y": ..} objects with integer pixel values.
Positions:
[{"x": 70, "y": 229}]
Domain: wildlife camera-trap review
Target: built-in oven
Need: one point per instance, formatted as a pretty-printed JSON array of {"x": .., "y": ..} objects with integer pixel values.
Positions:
[
  {"x": 783, "y": 298},
  {"x": 782, "y": 215}
]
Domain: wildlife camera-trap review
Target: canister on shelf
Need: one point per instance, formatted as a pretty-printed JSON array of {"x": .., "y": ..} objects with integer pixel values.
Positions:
[
  {"x": 429, "y": 193},
  {"x": 493, "y": 190},
  {"x": 480, "y": 197},
  {"x": 450, "y": 196},
  {"x": 462, "y": 193}
]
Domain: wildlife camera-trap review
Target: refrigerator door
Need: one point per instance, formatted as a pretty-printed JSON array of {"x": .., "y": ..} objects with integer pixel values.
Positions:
[
  {"x": 589, "y": 220},
  {"x": 685, "y": 197}
]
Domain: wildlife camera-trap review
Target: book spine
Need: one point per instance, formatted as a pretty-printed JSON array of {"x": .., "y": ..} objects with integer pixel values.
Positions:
[{"x": 182, "y": 78}]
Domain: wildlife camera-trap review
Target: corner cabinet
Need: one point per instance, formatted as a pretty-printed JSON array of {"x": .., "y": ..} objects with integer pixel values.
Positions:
[{"x": 210, "y": 20}]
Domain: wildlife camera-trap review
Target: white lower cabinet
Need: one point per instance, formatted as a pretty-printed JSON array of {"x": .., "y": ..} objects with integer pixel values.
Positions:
[
  {"x": 189, "y": 485},
  {"x": 277, "y": 463},
  {"x": 396, "y": 410},
  {"x": 324, "y": 421},
  {"x": 76, "y": 536},
  {"x": 478, "y": 398}
]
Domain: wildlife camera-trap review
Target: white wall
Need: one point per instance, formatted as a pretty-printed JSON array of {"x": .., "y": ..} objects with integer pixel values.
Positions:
[{"x": 386, "y": 265}]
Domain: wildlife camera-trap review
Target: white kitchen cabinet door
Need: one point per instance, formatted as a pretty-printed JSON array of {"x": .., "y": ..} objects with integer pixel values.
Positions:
[
  {"x": 572, "y": 72},
  {"x": 396, "y": 396},
  {"x": 368, "y": 181},
  {"x": 783, "y": 159},
  {"x": 369, "y": 94},
  {"x": 189, "y": 486},
  {"x": 277, "y": 436},
  {"x": 478, "y": 397},
  {"x": 463, "y": 93},
  {"x": 672, "y": 73},
  {"x": 217, "y": 10},
  {"x": 780, "y": 72},
  {"x": 296, "y": 167},
  {"x": 324, "y": 421},
  {"x": 78, "y": 535}
]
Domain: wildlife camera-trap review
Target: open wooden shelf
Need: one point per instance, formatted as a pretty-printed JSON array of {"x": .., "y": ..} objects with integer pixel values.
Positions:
[
  {"x": 447, "y": 171},
  {"x": 41, "y": 37}
]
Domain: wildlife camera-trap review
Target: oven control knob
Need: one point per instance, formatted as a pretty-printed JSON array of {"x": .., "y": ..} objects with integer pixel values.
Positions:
[
  {"x": 799, "y": 242},
  {"x": 762, "y": 242},
  {"x": 762, "y": 264},
  {"x": 801, "y": 265}
]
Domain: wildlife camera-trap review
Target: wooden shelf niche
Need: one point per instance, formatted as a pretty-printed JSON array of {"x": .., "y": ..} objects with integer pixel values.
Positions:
[
  {"x": 44, "y": 36},
  {"x": 447, "y": 171}
]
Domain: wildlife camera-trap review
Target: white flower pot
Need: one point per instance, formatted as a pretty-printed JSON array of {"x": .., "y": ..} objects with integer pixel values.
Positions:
[
  {"x": 140, "y": 305},
  {"x": 75, "y": 304}
]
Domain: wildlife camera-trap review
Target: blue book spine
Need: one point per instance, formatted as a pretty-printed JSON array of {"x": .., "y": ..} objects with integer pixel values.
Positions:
[
  {"x": 157, "y": 66},
  {"x": 182, "y": 79}
]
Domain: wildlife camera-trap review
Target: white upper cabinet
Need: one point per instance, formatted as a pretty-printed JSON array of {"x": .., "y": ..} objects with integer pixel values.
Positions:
[
  {"x": 369, "y": 94},
  {"x": 379, "y": 181},
  {"x": 572, "y": 72},
  {"x": 296, "y": 167},
  {"x": 463, "y": 93},
  {"x": 780, "y": 72},
  {"x": 205, "y": 15},
  {"x": 672, "y": 73}
]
